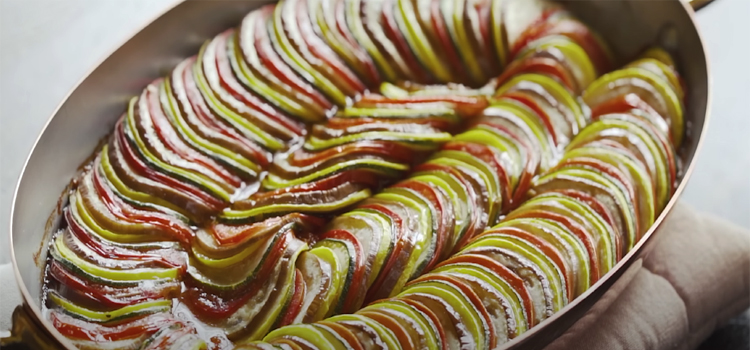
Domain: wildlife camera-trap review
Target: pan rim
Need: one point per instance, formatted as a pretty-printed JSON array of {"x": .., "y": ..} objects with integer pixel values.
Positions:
[{"x": 31, "y": 303}]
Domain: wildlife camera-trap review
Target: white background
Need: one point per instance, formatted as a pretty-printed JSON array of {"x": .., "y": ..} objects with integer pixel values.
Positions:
[{"x": 46, "y": 46}]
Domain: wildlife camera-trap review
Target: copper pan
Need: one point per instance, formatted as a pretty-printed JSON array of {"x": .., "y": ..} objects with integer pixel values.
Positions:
[{"x": 90, "y": 110}]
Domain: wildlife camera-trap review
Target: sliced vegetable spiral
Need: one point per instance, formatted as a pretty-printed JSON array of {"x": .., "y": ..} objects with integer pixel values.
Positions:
[
  {"x": 579, "y": 218},
  {"x": 367, "y": 174}
]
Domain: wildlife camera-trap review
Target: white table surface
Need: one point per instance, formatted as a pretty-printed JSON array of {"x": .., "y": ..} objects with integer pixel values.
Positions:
[{"x": 46, "y": 46}]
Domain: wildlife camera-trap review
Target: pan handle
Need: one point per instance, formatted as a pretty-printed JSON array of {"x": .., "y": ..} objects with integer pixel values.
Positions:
[
  {"x": 698, "y": 4},
  {"x": 27, "y": 334}
]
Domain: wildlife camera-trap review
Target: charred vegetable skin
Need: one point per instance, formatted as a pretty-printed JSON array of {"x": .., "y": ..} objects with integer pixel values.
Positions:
[{"x": 237, "y": 195}]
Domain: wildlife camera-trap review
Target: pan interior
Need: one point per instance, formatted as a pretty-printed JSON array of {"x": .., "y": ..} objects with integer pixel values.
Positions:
[{"x": 90, "y": 111}]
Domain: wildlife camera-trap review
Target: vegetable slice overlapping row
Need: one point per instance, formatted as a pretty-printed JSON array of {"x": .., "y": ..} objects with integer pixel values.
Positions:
[
  {"x": 362, "y": 148},
  {"x": 388, "y": 239},
  {"x": 582, "y": 215},
  {"x": 205, "y": 217},
  {"x": 458, "y": 192}
]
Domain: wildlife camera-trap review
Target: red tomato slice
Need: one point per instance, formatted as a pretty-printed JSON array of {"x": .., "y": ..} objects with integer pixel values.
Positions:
[
  {"x": 271, "y": 60},
  {"x": 79, "y": 329},
  {"x": 540, "y": 65},
  {"x": 547, "y": 248},
  {"x": 205, "y": 116},
  {"x": 135, "y": 162},
  {"x": 503, "y": 272},
  {"x": 387, "y": 150},
  {"x": 230, "y": 83},
  {"x": 126, "y": 212},
  {"x": 395, "y": 258},
  {"x": 295, "y": 304},
  {"x": 392, "y": 32},
  {"x": 577, "y": 229},
  {"x": 490, "y": 156},
  {"x": 445, "y": 211},
  {"x": 356, "y": 293}
]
